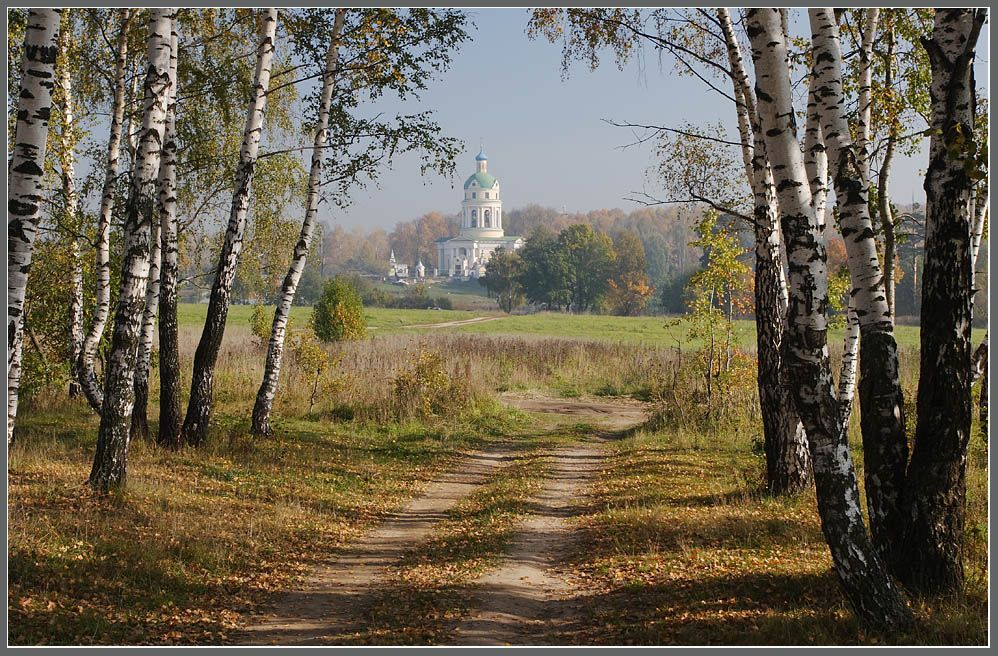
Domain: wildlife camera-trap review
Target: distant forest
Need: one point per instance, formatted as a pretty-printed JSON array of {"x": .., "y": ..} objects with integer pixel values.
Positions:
[{"x": 665, "y": 234}]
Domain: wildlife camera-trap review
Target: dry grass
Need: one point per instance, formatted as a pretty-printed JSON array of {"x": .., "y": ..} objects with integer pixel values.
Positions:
[
  {"x": 199, "y": 536},
  {"x": 679, "y": 547}
]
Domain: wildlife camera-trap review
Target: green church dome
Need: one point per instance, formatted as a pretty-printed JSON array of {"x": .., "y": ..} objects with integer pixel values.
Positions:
[{"x": 484, "y": 180}]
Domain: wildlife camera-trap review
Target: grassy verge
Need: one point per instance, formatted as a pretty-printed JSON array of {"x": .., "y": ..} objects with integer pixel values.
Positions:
[
  {"x": 200, "y": 536},
  {"x": 679, "y": 547}
]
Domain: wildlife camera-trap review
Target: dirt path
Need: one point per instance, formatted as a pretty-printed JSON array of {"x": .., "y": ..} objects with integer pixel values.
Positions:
[
  {"x": 526, "y": 601},
  {"x": 523, "y": 601},
  {"x": 336, "y": 592},
  {"x": 607, "y": 413},
  {"x": 451, "y": 324}
]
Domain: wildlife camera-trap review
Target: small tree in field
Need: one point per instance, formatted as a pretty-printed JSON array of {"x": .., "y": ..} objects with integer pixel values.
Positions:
[
  {"x": 717, "y": 291},
  {"x": 339, "y": 313},
  {"x": 503, "y": 278}
]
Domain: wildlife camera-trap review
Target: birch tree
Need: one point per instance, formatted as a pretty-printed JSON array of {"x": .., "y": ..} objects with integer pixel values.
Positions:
[
  {"x": 199, "y": 407},
  {"x": 367, "y": 53},
  {"x": 930, "y": 556},
  {"x": 66, "y": 151},
  {"x": 867, "y": 584},
  {"x": 25, "y": 177},
  {"x": 787, "y": 461},
  {"x": 88, "y": 352},
  {"x": 143, "y": 360},
  {"x": 885, "y": 446},
  {"x": 275, "y": 347},
  {"x": 109, "y": 468},
  {"x": 169, "y": 350}
]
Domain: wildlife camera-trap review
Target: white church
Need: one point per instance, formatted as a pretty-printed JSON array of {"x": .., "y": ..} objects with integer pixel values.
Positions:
[{"x": 467, "y": 255}]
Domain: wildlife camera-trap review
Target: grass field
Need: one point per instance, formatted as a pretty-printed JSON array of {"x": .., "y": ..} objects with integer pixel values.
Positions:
[
  {"x": 663, "y": 332},
  {"x": 155, "y": 565}
]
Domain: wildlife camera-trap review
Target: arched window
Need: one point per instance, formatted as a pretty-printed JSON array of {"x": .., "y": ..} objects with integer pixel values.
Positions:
[
  {"x": 488, "y": 218},
  {"x": 473, "y": 194},
  {"x": 486, "y": 194},
  {"x": 474, "y": 218}
]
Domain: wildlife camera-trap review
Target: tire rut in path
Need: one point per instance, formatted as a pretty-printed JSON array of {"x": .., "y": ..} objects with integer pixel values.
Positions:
[
  {"x": 336, "y": 592},
  {"x": 526, "y": 601}
]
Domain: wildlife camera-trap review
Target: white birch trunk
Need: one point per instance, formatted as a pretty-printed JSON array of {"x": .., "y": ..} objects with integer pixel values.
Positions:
[
  {"x": 866, "y": 92},
  {"x": 885, "y": 445},
  {"x": 24, "y": 184},
  {"x": 977, "y": 233},
  {"x": 275, "y": 348},
  {"x": 110, "y": 460},
  {"x": 67, "y": 165},
  {"x": 140, "y": 422},
  {"x": 88, "y": 353},
  {"x": 816, "y": 160},
  {"x": 785, "y": 443},
  {"x": 169, "y": 354},
  {"x": 199, "y": 407},
  {"x": 850, "y": 360},
  {"x": 868, "y": 586}
]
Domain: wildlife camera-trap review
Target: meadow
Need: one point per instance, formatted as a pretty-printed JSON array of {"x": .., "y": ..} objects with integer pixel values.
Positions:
[
  {"x": 678, "y": 545},
  {"x": 655, "y": 331}
]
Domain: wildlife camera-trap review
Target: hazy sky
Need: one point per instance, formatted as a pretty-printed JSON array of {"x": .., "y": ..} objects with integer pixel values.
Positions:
[{"x": 545, "y": 137}]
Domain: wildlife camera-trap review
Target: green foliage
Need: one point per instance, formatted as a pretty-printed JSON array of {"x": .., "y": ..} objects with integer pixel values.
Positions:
[
  {"x": 545, "y": 274},
  {"x": 503, "y": 278},
  {"x": 338, "y": 315},
  {"x": 629, "y": 288},
  {"x": 839, "y": 284},
  {"x": 259, "y": 325},
  {"x": 589, "y": 259}
]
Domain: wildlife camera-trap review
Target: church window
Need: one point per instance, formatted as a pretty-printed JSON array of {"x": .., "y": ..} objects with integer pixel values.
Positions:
[
  {"x": 473, "y": 194},
  {"x": 486, "y": 194}
]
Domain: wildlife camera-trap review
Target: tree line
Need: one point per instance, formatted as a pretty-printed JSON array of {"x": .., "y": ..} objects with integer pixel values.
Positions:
[{"x": 577, "y": 269}]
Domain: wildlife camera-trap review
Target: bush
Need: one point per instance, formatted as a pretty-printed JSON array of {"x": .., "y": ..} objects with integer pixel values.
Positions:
[
  {"x": 424, "y": 388},
  {"x": 338, "y": 315}
]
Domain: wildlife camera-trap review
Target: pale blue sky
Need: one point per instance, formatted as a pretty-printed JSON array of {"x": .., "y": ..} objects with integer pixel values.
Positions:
[{"x": 545, "y": 136}]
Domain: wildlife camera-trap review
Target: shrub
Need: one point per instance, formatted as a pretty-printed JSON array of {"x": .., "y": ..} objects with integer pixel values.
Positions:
[
  {"x": 338, "y": 315},
  {"x": 313, "y": 362},
  {"x": 425, "y": 389}
]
